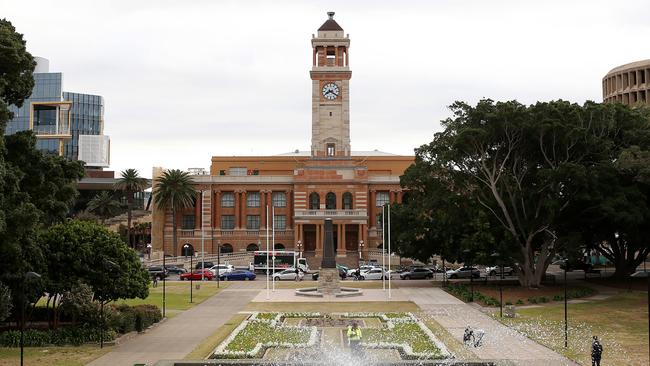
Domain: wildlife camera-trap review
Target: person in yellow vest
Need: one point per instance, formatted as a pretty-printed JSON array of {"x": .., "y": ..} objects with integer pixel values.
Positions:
[{"x": 354, "y": 338}]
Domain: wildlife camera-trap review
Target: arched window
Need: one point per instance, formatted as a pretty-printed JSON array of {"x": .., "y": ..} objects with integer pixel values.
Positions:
[
  {"x": 187, "y": 250},
  {"x": 314, "y": 201},
  {"x": 226, "y": 248},
  {"x": 252, "y": 247},
  {"x": 330, "y": 201},
  {"x": 278, "y": 246},
  {"x": 347, "y": 201}
]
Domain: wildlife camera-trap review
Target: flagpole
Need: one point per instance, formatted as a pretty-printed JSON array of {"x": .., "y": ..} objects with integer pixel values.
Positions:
[
  {"x": 267, "y": 252},
  {"x": 203, "y": 239},
  {"x": 389, "y": 253},
  {"x": 273, "y": 244},
  {"x": 383, "y": 245}
]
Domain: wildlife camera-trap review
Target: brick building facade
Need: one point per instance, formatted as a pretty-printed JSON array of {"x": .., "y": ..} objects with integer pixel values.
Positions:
[{"x": 302, "y": 188}]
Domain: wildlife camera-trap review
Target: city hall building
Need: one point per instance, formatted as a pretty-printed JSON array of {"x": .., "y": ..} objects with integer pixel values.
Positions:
[{"x": 302, "y": 188}]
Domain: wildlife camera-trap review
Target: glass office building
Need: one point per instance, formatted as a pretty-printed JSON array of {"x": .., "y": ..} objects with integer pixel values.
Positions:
[{"x": 58, "y": 118}]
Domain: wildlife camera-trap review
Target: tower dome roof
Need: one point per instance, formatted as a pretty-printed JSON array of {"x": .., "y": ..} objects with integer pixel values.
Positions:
[{"x": 330, "y": 24}]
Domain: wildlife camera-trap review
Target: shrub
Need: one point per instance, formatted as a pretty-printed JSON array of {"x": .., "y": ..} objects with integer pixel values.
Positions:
[
  {"x": 127, "y": 318},
  {"x": 59, "y": 337},
  {"x": 543, "y": 299},
  {"x": 558, "y": 298},
  {"x": 532, "y": 300},
  {"x": 508, "y": 303},
  {"x": 520, "y": 302}
]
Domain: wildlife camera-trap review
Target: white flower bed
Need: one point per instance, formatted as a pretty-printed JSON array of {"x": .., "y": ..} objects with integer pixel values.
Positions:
[
  {"x": 404, "y": 348},
  {"x": 222, "y": 352}
]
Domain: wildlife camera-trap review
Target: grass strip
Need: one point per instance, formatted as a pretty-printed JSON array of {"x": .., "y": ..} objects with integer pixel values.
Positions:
[{"x": 208, "y": 345}]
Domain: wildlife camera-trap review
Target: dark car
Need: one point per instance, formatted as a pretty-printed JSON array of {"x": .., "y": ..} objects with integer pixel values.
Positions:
[
  {"x": 574, "y": 265},
  {"x": 157, "y": 271},
  {"x": 416, "y": 273},
  {"x": 237, "y": 275},
  {"x": 342, "y": 273},
  {"x": 206, "y": 265},
  {"x": 175, "y": 269}
]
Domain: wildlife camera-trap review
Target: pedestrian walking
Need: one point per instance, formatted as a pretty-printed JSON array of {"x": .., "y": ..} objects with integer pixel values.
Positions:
[
  {"x": 297, "y": 274},
  {"x": 596, "y": 352},
  {"x": 155, "y": 281},
  {"x": 468, "y": 336}
]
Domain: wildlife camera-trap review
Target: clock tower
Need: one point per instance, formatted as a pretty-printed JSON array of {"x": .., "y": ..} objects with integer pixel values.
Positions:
[{"x": 330, "y": 75}]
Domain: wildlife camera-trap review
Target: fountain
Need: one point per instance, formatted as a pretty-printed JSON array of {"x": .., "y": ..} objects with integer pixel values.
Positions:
[{"x": 328, "y": 279}]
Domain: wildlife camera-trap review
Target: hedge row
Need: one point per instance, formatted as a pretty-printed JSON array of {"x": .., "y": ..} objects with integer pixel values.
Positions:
[
  {"x": 126, "y": 318},
  {"x": 59, "y": 337}
]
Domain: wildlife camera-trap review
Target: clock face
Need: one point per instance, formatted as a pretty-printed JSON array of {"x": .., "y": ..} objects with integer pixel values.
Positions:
[{"x": 330, "y": 91}]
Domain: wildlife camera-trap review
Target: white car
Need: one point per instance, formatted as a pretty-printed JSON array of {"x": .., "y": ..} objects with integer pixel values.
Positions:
[
  {"x": 288, "y": 274},
  {"x": 496, "y": 270},
  {"x": 220, "y": 269},
  {"x": 374, "y": 274}
]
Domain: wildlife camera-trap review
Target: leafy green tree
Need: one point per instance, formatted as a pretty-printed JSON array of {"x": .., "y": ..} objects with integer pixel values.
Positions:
[
  {"x": 104, "y": 205},
  {"x": 86, "y": 252},
  {"x": 130, "y": 182},
  {"x": 523, "y": 166},
  {"x": 5, "y": 302},
  {"x": 174, "y": 190}
]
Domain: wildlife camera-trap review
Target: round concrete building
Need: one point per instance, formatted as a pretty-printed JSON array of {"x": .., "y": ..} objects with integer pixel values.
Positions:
[{"x": 628, "y": 84}]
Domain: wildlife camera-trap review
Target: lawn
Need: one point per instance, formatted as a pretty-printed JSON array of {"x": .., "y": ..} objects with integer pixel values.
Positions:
[
  {"x": 620, "y": 322},
  {"x": 177, "y": 295},
  {"x": 52, "y": 356},
  {"x": 334, "y": 307}
]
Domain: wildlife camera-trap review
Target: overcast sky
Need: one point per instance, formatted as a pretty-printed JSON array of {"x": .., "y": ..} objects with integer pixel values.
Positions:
[{"x": 185, "y": 80}]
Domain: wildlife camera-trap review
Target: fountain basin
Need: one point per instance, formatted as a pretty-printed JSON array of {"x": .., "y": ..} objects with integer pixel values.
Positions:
[{"x": 316, "y": 292}]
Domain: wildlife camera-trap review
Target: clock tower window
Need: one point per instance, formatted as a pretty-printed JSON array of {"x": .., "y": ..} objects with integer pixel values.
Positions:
[{"x": 331, "y": 151}]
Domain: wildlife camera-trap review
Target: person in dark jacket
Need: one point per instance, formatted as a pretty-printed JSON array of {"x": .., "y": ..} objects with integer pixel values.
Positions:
[{"x": 596, "y": 352}]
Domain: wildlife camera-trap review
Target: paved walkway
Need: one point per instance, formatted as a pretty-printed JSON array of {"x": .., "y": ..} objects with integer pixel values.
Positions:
[
  {"x": 178, "y": 336},
  {"x": 500, "y": 342}
]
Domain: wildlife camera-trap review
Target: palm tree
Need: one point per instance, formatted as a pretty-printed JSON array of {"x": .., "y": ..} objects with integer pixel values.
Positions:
[
  {"x": 104, "y": 205},
  {"x": 174, "y": 190},
  {"x": 130, "y": 182}
]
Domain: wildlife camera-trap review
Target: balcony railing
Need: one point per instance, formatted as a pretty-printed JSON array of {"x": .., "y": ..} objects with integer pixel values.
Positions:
[
  {"x": 331, "y": 213},
  {"x": 51, "y": 130}
]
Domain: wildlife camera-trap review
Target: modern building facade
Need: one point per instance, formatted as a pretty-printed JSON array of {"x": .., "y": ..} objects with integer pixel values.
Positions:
[
  {"x": 628, "y": 84},
  {"x": 60, "y": 118},
  {"x": 301, "y": 188}
]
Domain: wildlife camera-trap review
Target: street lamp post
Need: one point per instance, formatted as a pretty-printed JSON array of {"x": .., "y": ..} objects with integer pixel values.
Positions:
[
  {"x": 566, "y": 323},
  {"x": 467, "y": 253},
  {"x": 187, "y": 249},
  {"x": 218, "y": 262},
  {"x": 27, "y": 276},
  {"x": 300, "y": 247},
  {"x": 496, "y": 256},
  {"x": 149, "y": 250},
  {"x": 360, "y": 252}
]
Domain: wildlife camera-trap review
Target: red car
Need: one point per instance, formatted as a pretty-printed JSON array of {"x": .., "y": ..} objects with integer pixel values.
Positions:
[{"x": 196, "y": 275}]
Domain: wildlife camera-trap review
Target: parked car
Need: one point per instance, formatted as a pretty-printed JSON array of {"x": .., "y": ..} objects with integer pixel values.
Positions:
[
  {"x": 464, "y": 272},
  {"x": 196, "y": 275},
  {"x": 342, "y": 274},
  {"x": 158, "y": 272},
  {"x": 496, "y": 270},
  {"x": 175, "y": 269},
  {"x": 362, "y": 269},
  {"x": 374, "y": 274},
  {"x": 416, "y": 273},
  {"x": 288, "y": 274},
  {"x": 574, "y": 264},
  {"x": 220, "y": 269},
  {"x": 206, "y": 265},
  {"x": 237, "y": 275}
]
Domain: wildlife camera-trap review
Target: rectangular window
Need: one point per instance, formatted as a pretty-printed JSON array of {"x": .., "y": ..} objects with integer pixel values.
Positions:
[
  {"x": 383, "y": 198},
  {"x": 279, "y": 199},
  {"x": 188, "y": 222},
  {"x": 253, "y": 222},
  {"x": 330, "y": 150},
  {"x": 239, "y": 171},
  {"x": 280, "y": 222},
  {"x": 253, "y": 199},
  {"x": 228, "y": 199},
  {"x": 227, "y": 222}
]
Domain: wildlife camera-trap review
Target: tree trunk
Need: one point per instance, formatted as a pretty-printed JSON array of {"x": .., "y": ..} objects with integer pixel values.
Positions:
[
  {"x": 129, "y": 208},
  {"x": 47, "y": 312},
  {"x": 174, "y": 228},
  {"x": 531, "y": 272}
]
